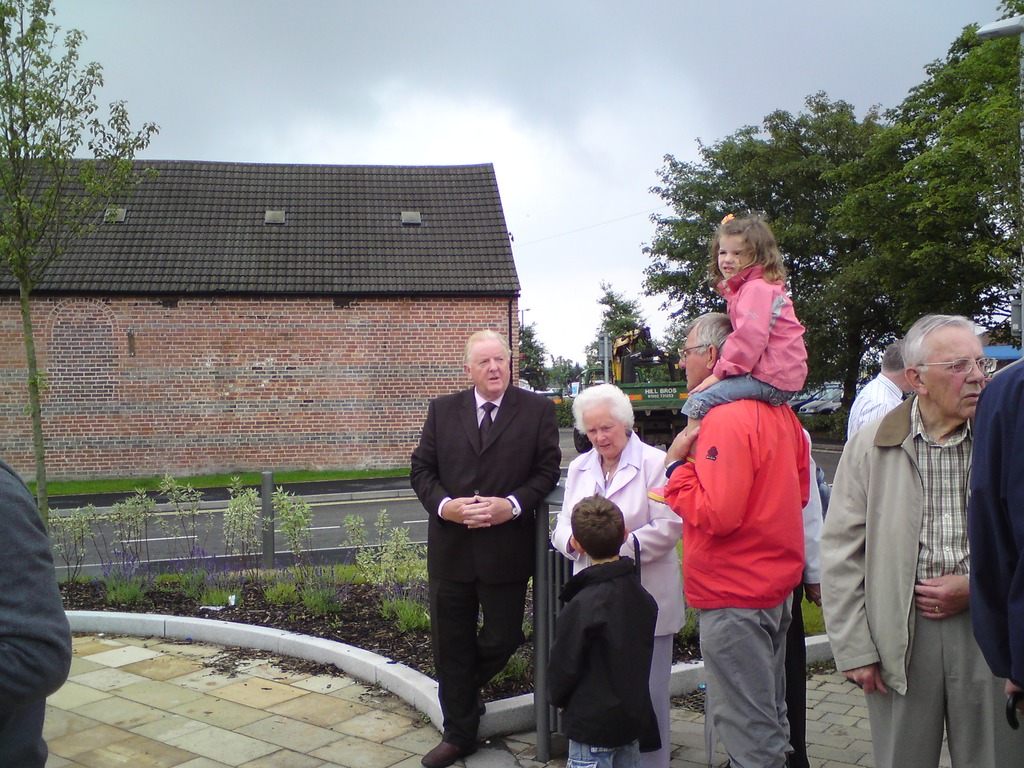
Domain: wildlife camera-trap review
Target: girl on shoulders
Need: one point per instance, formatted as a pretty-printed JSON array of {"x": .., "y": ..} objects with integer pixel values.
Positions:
[{"x": 764, "y": 358}]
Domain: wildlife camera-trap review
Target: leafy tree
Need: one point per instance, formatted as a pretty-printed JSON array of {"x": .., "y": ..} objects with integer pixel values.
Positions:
[
  {"x": 620, "y": 315},
  {"x": 48, "y": 110},
  {"x": 937, "y": 194},
  {"x": 562, "y": 372},
  {"x": 531, "y": 356}
]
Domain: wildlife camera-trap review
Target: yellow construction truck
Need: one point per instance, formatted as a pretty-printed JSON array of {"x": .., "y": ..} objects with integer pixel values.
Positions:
[{"x": 653, "y": 383}]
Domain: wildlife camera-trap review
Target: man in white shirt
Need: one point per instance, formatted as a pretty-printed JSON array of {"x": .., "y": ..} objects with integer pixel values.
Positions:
[{"x": 882, "y": 393}]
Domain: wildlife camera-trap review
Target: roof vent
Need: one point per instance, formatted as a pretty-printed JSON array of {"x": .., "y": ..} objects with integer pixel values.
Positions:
[
  {"x": 273, "y": 216},
  {"x": 115, "y": 215},
  {"x": 411, "y": 219}
]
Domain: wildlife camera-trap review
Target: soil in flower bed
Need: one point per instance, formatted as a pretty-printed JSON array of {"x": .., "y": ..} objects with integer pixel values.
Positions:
[{"x": 358, "y": 622}]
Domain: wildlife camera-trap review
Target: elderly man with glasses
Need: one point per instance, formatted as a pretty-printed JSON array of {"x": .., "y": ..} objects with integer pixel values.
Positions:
[{"x": 895, "y": 576}]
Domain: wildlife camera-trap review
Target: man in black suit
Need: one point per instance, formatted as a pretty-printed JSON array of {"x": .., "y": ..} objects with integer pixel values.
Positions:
[{"x": 487, "y": 457}]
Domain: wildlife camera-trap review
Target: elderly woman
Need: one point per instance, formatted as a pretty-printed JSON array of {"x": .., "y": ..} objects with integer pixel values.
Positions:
[{"x": 622, "y": 468}]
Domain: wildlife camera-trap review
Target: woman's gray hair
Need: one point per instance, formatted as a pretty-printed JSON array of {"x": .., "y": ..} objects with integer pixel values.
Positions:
[
  {"x": 914, "y": 342},
  {"x": 617, "y": 401}
]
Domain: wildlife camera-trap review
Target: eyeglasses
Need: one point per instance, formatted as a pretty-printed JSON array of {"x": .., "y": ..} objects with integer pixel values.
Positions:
[
  {"x": 687, "y": 350},
  {"x": 963, "y": 366}
]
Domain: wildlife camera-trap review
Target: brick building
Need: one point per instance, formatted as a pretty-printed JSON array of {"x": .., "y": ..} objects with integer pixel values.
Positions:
[{"x": 234, "y": 317}]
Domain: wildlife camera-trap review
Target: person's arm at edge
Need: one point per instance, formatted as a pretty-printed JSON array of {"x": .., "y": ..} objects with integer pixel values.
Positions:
[
  {"x": 547, "y": 460},
  {"x": 567, "y": 657},
  {"x": 563, "y": 524},
  {"x": 35, "y": 639},
  {"x": 424, "y": 474},
  {"x": 992, "y": 539},
  {"x": 661, "y": 534},
  {"x": 842, "y": 572}
]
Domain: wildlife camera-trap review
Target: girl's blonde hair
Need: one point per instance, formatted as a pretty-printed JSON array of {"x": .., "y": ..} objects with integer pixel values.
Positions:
[{"x": 760, "y": 243}]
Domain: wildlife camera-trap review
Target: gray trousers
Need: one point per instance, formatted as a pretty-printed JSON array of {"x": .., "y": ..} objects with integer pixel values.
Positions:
[
  {"x": 744, "y": 651},
  {"x": 661, "y": 670},
  {"x": 949, "y": 688}
]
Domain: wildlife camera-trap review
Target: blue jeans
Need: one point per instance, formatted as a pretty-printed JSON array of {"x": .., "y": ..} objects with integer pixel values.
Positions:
[
  {"x": 729, "y": 391},
  {"x": 589, "y": 756}
]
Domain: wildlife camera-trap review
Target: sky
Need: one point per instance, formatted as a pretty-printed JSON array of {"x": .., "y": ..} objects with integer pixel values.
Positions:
[{"x": 574, "y": 103}]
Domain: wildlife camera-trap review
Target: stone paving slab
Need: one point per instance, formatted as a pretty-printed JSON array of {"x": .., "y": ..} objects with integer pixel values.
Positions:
[{"x": 149, "y": 703}]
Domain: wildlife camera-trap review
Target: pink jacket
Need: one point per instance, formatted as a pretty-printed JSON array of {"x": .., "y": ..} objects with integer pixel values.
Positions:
[{"x": 767, "y": 339}]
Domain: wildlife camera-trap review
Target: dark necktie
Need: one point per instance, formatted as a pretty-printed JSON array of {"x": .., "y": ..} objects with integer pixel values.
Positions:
[{"x": 486, "y": 421}]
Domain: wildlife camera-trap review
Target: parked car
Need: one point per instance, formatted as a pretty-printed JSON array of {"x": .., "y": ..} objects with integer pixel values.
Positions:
[
  {"x": 828, "y": 400},
  {"x": 830, "y": 405},
  {"x": 824, "y": 399}
]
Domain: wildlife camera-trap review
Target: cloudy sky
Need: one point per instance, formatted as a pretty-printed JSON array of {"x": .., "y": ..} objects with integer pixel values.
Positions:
[{"x": 575, "y": 103}]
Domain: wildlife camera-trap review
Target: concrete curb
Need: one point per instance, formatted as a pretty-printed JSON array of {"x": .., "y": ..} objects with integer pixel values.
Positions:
[{"x": 503, "y": 717}]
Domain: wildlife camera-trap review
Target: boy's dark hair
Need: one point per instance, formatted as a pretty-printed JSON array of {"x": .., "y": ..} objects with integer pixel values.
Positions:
[{"x": 598, "y": 526}]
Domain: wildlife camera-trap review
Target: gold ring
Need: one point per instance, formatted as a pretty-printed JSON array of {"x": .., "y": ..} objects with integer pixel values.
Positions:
[{"x": 937, "y": 610}]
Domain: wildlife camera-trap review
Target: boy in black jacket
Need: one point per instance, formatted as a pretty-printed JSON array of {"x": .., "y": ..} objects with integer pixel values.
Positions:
[{"x": 601, "y": 657}]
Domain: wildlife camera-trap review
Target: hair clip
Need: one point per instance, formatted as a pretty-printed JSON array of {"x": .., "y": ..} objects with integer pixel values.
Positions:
[{"x": 728, "y": 218}]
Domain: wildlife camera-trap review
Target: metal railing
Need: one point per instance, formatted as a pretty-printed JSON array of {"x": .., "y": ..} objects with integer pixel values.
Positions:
[{"x": 553, "y": 570}]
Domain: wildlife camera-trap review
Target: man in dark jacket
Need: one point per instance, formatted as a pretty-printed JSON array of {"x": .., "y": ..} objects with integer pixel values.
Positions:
[
  {"x": 604, "y": 638},
  {"x": 486, "y": 459},
  {"x": 995, "y": 524},
  {"x": 35, "y": 639}
]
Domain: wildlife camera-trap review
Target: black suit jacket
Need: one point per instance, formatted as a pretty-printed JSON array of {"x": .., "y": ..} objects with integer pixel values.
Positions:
[{"x": 521, "y": 459}]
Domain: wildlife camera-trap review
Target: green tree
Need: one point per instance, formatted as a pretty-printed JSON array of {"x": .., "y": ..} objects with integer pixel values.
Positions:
[
  {"x": 936, "y": 196},
  {"x": 48, "y": 111},
  {"x": 562, "y": 372},
  {"x": 620, "y": 315},
  {"x": 531, "y": 356}
]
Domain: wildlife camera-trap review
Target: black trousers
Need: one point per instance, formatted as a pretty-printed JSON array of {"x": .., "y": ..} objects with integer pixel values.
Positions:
[
  {"x": 465, "y": 657},
  {"x": 21, "y": 736},
  {"x": 796, "y": 684}
]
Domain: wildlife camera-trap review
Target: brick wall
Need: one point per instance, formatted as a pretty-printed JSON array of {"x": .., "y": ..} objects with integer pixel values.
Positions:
[{"x": 142, "y": 386}]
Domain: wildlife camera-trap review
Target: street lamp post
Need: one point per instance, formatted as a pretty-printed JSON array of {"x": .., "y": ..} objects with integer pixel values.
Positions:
[{"x": 1009, "y": 28}]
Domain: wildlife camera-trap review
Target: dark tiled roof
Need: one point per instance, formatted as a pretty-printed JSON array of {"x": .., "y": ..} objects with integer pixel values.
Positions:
[{"x": 198, "y": 227}]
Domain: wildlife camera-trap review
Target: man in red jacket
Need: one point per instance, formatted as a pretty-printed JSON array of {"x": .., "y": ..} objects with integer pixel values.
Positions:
[{"x": 739, "y": 486}]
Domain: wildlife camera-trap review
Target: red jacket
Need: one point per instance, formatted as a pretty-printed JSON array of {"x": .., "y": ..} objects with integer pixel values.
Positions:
[
  {"x": 767, "y": 339},
  {"x": 740, "y": 500}
]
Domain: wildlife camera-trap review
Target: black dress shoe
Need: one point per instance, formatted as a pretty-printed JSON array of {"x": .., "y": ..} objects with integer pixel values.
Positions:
[{"x": 446, "y": 753}]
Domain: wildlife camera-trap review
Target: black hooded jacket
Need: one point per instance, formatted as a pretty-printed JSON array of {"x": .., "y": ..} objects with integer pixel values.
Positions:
[{"x": 601, "y": 658}]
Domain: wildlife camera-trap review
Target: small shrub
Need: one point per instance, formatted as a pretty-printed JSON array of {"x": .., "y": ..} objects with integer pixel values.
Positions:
[
  {"x": 218, "y": 596},
  {"x": 408, "y": 615},
  {"x": 827, "y": 425},
  {"x": 124, "y": 591},
  {"x": 517, "y": 668},
  {"x": 563, "y": 412},
  {"x": 295, "y": 517},
  {"x": 392, "y": 560},
  {"x": 690, "y": 633},
  {"x": 187, "y": 525},
  {"x": 242, "y": 525},
  {"x": 319, "y": 591},
  {"x": 192, "y": 582},
  {"x": 320, "y": 600},
  {"x": 69, "y": 533},
  {"x": 281, "y": 593}
]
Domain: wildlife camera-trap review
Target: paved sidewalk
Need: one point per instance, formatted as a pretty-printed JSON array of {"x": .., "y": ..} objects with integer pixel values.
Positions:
[{"x": 145, "y": 702}]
